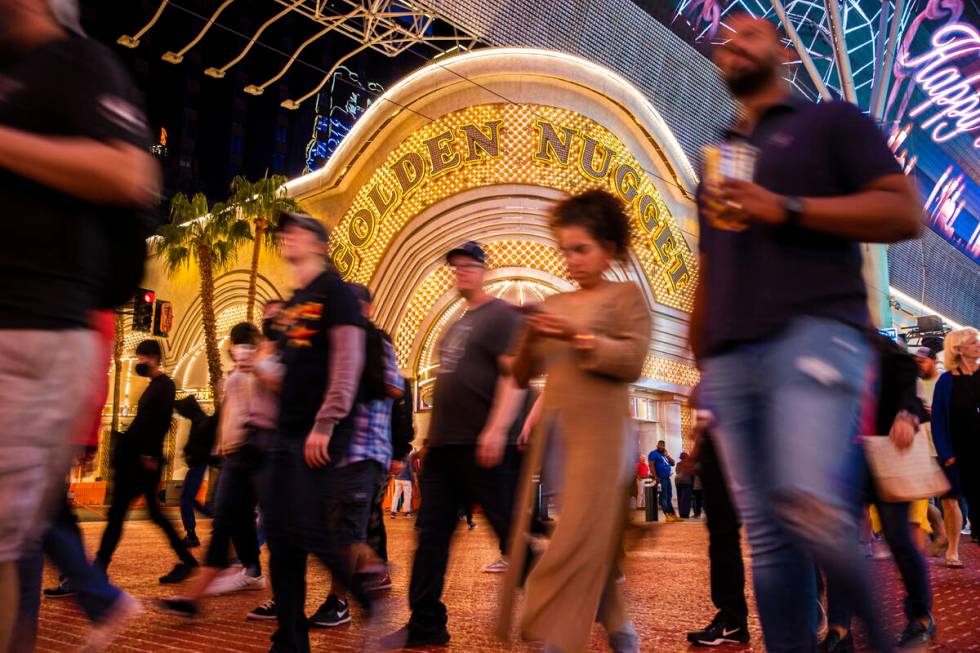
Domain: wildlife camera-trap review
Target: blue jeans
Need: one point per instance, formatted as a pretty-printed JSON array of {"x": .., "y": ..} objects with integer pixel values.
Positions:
[
  {"x": 685, "y": 493},
  {"x": 188, "y": 498},
  {"x": 666, "y": 495},
  {"x": 62, "y": 543},
  {"x": 786, "y": 412}
]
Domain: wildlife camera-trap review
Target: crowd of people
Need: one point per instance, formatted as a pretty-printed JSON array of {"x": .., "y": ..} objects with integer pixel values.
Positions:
[{"x": 316, "y": 418}]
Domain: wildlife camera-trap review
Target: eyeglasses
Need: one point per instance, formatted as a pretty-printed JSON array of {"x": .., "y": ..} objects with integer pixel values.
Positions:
[{"x": 466, "y": 266}]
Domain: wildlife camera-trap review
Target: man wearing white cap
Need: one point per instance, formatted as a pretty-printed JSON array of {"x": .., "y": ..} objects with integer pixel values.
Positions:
[{"x": 74, "y": 167}]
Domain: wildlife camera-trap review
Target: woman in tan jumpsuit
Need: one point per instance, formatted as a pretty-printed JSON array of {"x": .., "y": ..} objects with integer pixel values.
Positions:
[{"x": 591, "y": 343}]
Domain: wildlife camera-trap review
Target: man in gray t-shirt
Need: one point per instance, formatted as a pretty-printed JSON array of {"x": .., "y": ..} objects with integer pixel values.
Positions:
[
  {"x": 469, "y": 366},
  {"x": 466, "y": 440}
]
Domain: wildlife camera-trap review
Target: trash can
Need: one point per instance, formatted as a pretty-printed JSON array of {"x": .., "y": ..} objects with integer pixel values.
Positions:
[{"x": 652, "y": 496}]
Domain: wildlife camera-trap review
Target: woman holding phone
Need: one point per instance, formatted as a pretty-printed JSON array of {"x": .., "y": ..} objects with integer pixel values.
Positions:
[{"x": 591, "y": 343}]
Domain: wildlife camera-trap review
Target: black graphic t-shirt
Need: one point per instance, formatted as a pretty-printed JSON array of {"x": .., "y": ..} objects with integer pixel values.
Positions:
[
  {"x": 53, "y": 261},
  {"x": 468, "y": 371},
  {"x": 309, "y": 316}
]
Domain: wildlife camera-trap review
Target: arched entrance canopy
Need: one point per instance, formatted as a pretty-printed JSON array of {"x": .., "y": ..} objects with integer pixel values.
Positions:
[{"x": 479, "y": 146}]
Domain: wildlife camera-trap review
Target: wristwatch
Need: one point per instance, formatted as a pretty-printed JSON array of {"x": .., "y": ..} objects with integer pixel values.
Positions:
[{"x": 793, "y": 206}]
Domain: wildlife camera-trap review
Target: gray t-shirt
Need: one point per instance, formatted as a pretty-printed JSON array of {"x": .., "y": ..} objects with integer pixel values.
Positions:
[{"x": 468, "y": 371}]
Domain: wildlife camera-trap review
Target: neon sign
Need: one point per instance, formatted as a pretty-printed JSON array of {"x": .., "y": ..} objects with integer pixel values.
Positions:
[{"x": 953, "y": 98}]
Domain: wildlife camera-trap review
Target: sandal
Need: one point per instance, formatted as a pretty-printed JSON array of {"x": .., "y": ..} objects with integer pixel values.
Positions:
[{"x": 954, "y": 564}]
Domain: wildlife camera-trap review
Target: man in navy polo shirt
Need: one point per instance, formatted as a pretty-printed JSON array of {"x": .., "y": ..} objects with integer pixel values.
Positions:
[{"x": 778, "y": 321}]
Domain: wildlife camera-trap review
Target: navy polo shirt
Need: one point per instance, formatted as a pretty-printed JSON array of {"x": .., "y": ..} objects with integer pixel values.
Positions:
[{"x": 756, "y": 281}]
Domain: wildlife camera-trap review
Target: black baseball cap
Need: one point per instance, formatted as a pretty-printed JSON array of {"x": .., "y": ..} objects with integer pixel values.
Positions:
[
  {"x": 361, "y": 292},
  {"x": 469, "y": 249},
  {"x": 303, "y": 221}
]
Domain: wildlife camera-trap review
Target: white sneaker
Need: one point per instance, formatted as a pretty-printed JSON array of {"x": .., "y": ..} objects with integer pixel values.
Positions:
[
  {"x": 125, "y": 609},
  {"x": 498, "y": 566},
  {"x": 235, "y": 583}
]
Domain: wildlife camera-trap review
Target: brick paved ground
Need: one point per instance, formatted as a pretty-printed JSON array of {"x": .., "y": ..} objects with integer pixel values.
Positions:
[{"x": 667, "y": 585}]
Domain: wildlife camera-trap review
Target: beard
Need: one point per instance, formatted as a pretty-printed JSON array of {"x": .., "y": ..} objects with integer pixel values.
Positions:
[{"x": 749, "y": 82}]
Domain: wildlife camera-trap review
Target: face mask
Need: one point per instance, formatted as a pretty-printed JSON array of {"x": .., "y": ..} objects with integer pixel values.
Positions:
[{"x": 142, "y": 369}]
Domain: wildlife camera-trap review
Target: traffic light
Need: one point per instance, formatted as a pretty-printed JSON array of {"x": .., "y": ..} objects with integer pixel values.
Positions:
[
  {"x": 163, "y": 318},
  {"x": 143, "y": 310}
]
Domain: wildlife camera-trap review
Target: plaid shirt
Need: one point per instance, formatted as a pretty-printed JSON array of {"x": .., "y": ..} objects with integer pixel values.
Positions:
[{"x": 372, "y": 420}]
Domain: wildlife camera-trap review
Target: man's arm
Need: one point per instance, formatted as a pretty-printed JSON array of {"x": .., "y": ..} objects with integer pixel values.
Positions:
[
  {"x": 507, "y": 401},
  {"x": 886, "y": 210},
  {"x": 344, "y": 375},
  {"x": 112, "y": 173}
]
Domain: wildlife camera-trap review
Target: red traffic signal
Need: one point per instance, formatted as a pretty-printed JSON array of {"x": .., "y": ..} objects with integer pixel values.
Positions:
[{"x": 143, "y": 310}]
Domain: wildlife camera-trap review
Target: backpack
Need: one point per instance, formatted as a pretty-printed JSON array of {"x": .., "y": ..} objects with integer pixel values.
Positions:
[
  {"x": 373, "y": 377},
  {"x": 402, "y": 425}
]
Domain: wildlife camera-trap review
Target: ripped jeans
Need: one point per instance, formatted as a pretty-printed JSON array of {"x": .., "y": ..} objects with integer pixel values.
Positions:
[{"x": 786, "y": 414}]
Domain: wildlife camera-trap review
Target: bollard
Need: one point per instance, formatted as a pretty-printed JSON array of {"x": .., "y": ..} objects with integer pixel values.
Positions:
[{"x": 652, "y": 498}]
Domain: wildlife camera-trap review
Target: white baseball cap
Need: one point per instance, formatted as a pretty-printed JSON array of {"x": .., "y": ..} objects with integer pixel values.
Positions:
[{"x": 66, "y": 13}]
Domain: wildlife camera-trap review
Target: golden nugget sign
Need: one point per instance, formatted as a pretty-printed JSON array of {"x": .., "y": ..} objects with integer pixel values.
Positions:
[{"x": 496, "y": 144}]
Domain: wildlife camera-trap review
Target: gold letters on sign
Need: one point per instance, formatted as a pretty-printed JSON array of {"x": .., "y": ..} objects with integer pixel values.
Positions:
[{"x": 441, "y": 149}]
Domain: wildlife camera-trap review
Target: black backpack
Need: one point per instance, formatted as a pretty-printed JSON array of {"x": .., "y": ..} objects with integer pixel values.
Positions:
[
  {"x": 402, "y": 425},
  {"x": 373, "y": 377}
]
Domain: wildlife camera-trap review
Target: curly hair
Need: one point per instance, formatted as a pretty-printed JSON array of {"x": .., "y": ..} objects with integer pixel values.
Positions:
[{"x": 601, "y": 214}]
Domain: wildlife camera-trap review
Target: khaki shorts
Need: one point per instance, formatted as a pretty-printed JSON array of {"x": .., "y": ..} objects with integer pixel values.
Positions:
[{"x": 44, "y": 381}]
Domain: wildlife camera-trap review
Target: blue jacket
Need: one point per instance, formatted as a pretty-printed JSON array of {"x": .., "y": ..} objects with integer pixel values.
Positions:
[
  {"x": 942, "y": 399},
  {"x": 660, "y": 464}
]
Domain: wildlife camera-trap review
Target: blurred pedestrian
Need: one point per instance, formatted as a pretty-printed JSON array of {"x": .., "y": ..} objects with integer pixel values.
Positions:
[
  {"x": 322, "y": 357},
  {"x": 591, "y": 343},
  {"x": 198, "y": 456},
  {"x": 466, "y": 441},
  {"x": 896, "y": 413},
  {"x": 642, "y": 474},
  {"x": 107, "y": 608},
  {"x": 956, "y": 416},
  {"x": 359, "y": 473},
  {"x": 777, "y": 324},
  {"x": 248, "y": 415},
  {"x": 72, "y": 175},
  {"x": 138, "y": 459}
]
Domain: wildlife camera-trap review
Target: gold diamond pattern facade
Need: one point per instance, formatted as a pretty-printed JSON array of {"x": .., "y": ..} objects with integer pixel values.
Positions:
[{"x": 514, "y": 163}]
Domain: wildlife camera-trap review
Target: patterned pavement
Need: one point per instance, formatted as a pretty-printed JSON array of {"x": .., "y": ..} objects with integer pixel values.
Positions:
[{"x": 667, "y": 586}]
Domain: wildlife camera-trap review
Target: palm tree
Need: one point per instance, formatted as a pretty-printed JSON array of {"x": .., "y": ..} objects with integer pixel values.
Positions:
[
  {"x": 260, "y": 203},
  {"x": 208, "y": 239}
]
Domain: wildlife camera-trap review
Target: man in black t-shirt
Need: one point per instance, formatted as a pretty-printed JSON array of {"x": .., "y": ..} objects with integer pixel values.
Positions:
[
  {"x": 466, "y": 442},
  {"x": 72, "y": 144},
  {"x": 777, "y": 328},
  {"x": 138, "y": 462},
  {"x": 322, "y": 355}
]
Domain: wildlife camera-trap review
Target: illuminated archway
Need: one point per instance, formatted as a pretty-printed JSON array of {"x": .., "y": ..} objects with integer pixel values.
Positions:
[{"x": 479, "y": 147}]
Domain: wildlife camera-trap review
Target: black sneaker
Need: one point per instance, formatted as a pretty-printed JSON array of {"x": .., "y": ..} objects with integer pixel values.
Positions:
[
  {"x": 331, "y": 614},
  {"x": 410, "y": 637},
  {"x": 916, "y": 636},
  {"x": 834, "y": 643},
  {"x": 181, "y": 572},
  {"x": 718, "y": 632},
  {"x": 265, "y": 612},
  {"x": 190, "y": 541},
  {"x": 62, "y": 591},
  {"x": 178, "y": 607}
]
